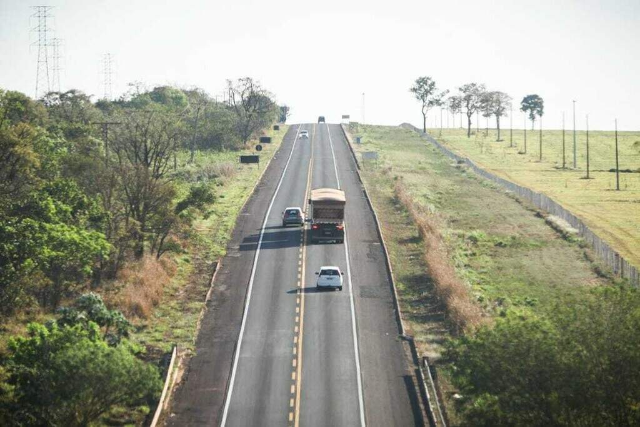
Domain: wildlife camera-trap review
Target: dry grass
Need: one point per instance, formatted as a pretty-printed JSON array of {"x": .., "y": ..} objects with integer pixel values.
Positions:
[
  {"x": 143, "y": 285},
  {"x": 462, "y": 313}
]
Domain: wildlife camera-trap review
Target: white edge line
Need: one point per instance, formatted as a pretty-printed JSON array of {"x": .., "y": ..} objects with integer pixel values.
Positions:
[
  {"x": 335, "y": 164},
  {"x": 353, "y": 309},
  {"x": 236, "y": 356}
]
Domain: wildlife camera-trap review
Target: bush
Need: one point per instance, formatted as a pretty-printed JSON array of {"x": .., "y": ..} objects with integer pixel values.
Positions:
[
  {"x": 69, "y": 376},
  {"x": 579, "y": 366}
]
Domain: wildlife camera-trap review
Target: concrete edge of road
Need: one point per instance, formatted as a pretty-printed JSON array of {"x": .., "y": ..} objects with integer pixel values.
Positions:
[
  {"x": 168, "y": 384},
  {"x": 424, "y": 388}
]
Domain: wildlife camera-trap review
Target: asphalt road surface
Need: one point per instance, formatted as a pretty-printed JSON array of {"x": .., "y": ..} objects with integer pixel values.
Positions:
[{"x": 273, "y": 350}]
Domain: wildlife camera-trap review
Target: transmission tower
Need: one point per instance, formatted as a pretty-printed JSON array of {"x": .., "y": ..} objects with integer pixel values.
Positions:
[
  {"x": 43, "y": 81},
  {"x": 55, "y": 83},
  {"x": 107, "y": 61}
]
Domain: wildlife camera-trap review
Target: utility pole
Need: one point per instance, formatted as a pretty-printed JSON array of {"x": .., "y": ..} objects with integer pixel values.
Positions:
[
  {"x": 575, "y": 162},
  {"x": 564, "y": 160},
  {"x": 105, "y": 137},
  {"x": 440, "y": 121},
  {"x": 617, "y": 164},
  {"x": 43, "y": 81},
  {"x": 540, "y": 137},
  {"x": 55, "y": 43},
  {"x": 525, "y": 133},
  {"x": 363, "y": 122},
  {"x": 587, "y": 146},
  {"x": 106, "y": 71},
  {"x": 511, "y": 126}
]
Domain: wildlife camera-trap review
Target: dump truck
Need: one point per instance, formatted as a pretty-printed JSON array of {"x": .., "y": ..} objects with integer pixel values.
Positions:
[{"x": 326, "y": 215}]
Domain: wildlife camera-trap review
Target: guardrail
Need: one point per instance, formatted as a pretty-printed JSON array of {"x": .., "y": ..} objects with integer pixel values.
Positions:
[
  {"x": 608, "y": 255},
  {"x": 435, "y": 415}
]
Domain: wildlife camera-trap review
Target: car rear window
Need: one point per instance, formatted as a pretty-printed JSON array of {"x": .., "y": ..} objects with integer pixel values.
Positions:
[
  {"x": 292, "y": 212},
  {"x": 329, "y": 273}
]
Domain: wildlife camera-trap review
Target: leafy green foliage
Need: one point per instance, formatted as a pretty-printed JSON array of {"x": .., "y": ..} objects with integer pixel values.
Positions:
[
  {"x": 424, "y": 89},
  {"x": 68, "y": 376},
  {"x": 91, "y": 308},
  {"x": 576, "y": 367},
  {"x": 534, "y": 105}
]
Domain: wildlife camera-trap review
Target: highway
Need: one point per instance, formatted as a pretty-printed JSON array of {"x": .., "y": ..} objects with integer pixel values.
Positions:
[{"x": 301, "y": 356}]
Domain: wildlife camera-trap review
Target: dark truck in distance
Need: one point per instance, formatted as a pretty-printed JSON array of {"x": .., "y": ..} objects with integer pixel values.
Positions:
[{"x": 326, "y": 214}]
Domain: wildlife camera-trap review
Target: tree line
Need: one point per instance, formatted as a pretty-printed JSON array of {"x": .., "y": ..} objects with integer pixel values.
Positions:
[
  {"x": 85, "y": 186},
  {"x": 473, "y": 98}
]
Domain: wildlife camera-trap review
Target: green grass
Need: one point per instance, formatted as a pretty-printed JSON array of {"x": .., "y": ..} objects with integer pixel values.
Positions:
[
  {"x": 175, "y": 319},
  {"x": 613, "y": 215},
  {"x": 506, "y": 252},
  {"x": 501, "y": 248}
]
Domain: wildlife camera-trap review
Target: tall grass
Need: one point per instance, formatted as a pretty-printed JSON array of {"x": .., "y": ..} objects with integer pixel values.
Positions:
[
  {"x": 143, "y": 284},
  {"x": 462, "y": 313}
]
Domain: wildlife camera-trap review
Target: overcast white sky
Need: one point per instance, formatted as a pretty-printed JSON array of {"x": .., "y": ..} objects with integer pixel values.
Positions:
[{"x": 320, "y": 56}]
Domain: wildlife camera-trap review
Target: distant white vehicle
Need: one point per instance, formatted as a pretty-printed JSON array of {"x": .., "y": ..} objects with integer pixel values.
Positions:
[
  {"x": 329, "y": 277},
  {"x": 304, "y": 134}
]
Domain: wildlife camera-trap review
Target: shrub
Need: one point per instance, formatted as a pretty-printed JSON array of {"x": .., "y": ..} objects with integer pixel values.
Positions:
[
  {"x": 69, "y": 376},
  {"x": 578, "y": 366}
]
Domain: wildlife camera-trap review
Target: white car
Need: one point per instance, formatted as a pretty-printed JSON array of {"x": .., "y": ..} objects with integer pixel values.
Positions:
[
  {"x": 329, "y": 277},
  {"x": 304, "y": 134}
]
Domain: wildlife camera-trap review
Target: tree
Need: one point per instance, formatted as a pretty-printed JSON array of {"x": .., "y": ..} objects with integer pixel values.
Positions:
[
  {"x": 145, "y": 144},
  {"x": 471, "y": 95},
  {"x": 16, "y": 107},
  {"x": 47, "y": 245},
  {"x": 534, "y": 106},
  {"x": 68, "y": 376},
  {"x": 285, "y": 112},
  {"x": 19, "y": 160},
  {"x": 496, "y": 103},
  {"x": 424, "y": 89},
  {"x": 91, "y": 308},
  {"x": 455, "y": 105},
  {"x": 252, "y": 105},
  {"x": 575, "y": 366}
]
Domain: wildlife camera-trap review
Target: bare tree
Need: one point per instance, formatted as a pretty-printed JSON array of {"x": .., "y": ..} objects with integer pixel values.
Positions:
[
  {"x": 455, "y": 105},
  {"x": 252, "y": 105},
  {"x": 424, "y": 89},
  {"x": 471, "y": 96}
]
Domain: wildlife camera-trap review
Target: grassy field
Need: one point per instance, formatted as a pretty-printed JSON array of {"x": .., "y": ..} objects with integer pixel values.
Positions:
[
  {"x": 613, "y": 215},
  {"x": 504, "y": 251},
  {"x": 175, "y": 318}
]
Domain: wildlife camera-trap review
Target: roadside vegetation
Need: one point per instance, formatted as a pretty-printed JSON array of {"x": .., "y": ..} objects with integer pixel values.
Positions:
[
  {"x": 112, "y": 214},
  {"x": 522, "y": 324}
]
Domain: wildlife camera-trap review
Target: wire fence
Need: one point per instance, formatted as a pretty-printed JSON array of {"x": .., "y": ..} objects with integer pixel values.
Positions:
[{"x": 609, "y": 256}]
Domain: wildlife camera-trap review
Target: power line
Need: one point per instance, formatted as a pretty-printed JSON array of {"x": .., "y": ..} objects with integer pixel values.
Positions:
[{"x": 43, "y": 81}]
